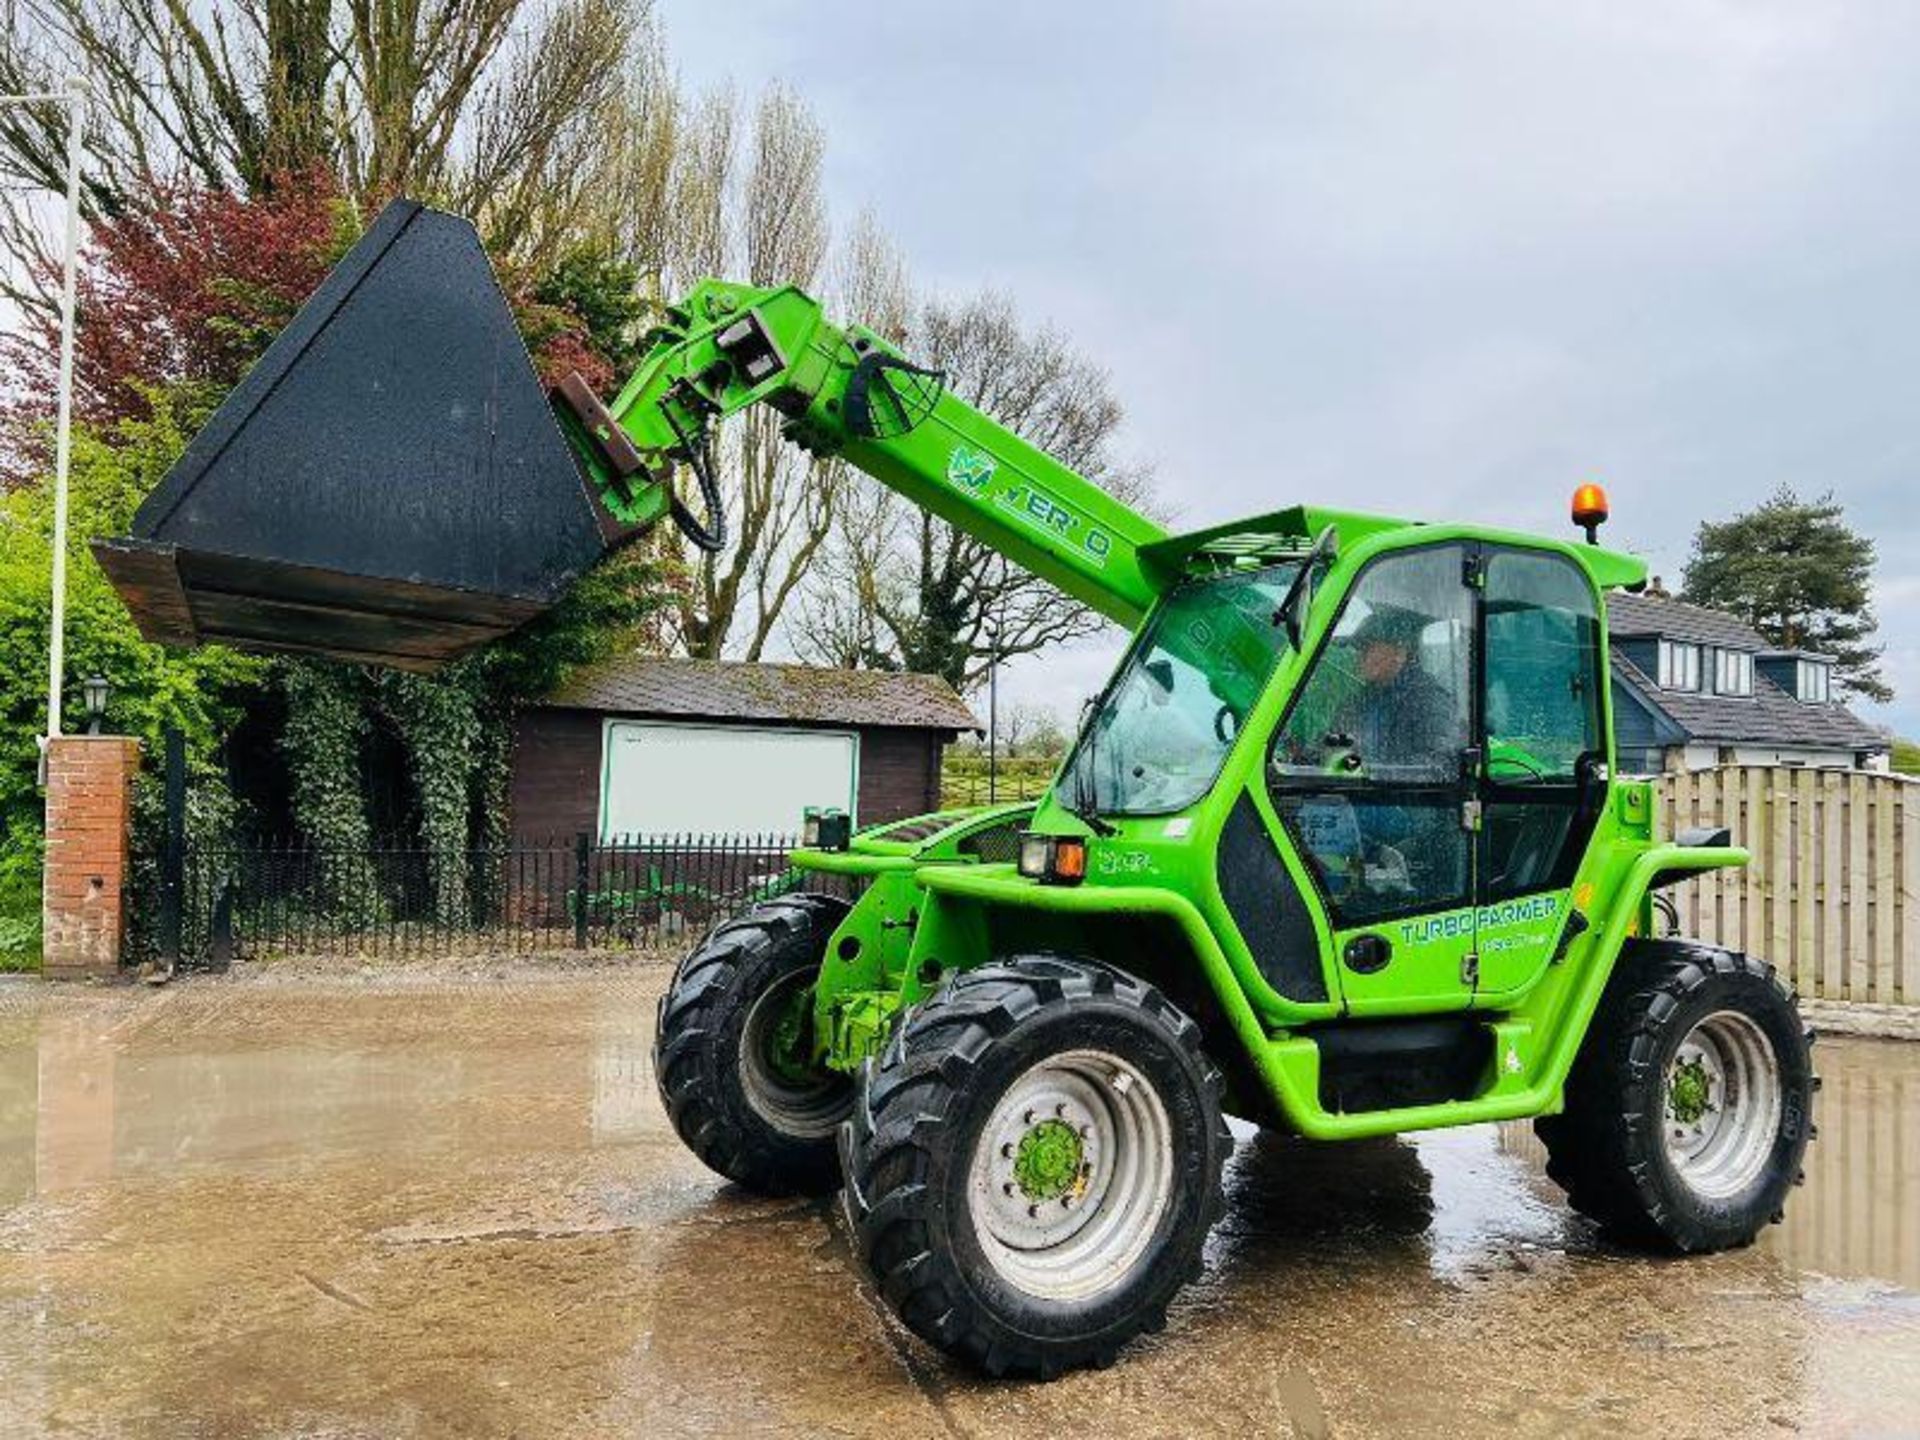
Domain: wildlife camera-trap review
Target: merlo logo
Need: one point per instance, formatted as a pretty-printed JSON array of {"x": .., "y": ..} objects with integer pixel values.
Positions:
[{"x": 968, "y": 468}]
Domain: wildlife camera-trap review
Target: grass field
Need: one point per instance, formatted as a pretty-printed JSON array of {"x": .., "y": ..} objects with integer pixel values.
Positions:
[{"x": 963, "y": 778}]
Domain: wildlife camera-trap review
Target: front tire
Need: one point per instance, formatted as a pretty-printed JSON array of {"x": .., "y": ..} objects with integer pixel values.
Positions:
[
  {"x": 1689, "y": 1109},
  {"x": 729, "y": 1050},
  {"x": 1034, "y": 1163}
]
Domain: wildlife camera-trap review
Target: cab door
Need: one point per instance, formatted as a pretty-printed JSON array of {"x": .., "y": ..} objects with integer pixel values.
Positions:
[
  {"x": 1375, "y": 776},
  {"x": 1543, "y": 780}
]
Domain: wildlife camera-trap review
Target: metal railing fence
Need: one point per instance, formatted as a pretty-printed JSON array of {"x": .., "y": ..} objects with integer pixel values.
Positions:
[{"x": 567, "y": 892}]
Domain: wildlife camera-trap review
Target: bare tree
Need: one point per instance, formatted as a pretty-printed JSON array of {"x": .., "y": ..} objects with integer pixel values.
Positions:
[
  {"x": 767, "y": 222},
  {"x": 494, "y": 107},
  {"x": 907, "y": 590}
]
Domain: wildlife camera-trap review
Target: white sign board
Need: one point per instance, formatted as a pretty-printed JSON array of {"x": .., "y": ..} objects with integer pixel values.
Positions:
[{"x": 663, "y": 778}]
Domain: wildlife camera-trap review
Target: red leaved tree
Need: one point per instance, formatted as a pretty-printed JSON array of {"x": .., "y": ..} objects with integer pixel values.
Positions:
[
  {"x": 187, "y": 286},
  {"x": 184, "y": 288}
]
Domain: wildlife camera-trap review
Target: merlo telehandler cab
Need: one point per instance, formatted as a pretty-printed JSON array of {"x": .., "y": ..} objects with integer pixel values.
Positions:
[{"x": 1340, "y": 848}]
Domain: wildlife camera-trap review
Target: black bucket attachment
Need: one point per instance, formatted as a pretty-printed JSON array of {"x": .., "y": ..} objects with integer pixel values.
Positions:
[{"x": 387, "y": 484}]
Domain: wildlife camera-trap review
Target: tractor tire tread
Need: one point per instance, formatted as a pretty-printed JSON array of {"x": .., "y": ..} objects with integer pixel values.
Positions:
[
  {"x": 1603, "y": 1148},
  {"x": 909, "y": 1102},
  {"x": 692, "y": 1062}
]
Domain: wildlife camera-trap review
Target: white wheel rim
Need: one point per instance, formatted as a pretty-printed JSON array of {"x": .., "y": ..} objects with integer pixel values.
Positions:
[
  {"x": 1720, "y": 1105},
  {"x": 807, "y": 1111},
  {"x": 1066, "y": 1241}
]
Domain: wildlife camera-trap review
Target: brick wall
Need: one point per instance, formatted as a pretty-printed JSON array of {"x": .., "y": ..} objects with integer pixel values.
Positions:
[
  {"x": 89, "y": 807},
  {"x": 899, "y": 773},
  {"x": 554, "y": 788}
]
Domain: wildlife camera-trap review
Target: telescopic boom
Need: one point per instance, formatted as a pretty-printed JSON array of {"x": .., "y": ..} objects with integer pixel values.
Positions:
[
  {"x": 847, "y": 392},
  {"x": 388, "y": 483}
]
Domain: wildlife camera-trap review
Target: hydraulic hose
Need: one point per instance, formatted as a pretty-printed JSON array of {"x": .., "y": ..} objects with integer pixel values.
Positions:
[{"x": 709, "y": 535}]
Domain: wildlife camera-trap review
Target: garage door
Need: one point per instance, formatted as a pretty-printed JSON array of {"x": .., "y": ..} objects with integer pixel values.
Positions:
[{"x": 668, "y": 779}]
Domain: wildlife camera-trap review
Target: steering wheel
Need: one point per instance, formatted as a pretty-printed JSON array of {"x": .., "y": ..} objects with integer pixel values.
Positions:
[{"x": 1526, "y": 769}]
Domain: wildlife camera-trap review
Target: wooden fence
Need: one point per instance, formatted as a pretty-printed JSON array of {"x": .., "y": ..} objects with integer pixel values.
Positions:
[{"x": 1832, "y": 897}]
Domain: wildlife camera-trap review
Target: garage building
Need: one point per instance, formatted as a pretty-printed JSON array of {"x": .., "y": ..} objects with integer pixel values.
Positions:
[{"x": 644, "y": 747}]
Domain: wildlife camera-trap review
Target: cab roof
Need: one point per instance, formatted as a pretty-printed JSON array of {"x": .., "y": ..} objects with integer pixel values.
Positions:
[{"x": 1292, "y": 531}]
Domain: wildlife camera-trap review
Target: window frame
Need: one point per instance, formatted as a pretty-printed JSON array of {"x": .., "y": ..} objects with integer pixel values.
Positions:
[
  {"x": 1567, "y": 793},
  {"x": 1741, "y": 686},
  {"x": 1813, "y": 682},
  {"x": 1670, "y": 652},
  {"x": 1282, "y": 786},
  {"x": 1144, "y": 639}
]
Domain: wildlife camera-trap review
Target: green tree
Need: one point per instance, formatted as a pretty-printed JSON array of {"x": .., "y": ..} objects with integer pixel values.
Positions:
[
  {"x": 202, "y": 691},
  {"x": 1795, "y": 571}
]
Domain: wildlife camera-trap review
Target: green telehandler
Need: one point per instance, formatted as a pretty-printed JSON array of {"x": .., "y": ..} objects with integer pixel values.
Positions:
[{"x": 1339, "y": 848}]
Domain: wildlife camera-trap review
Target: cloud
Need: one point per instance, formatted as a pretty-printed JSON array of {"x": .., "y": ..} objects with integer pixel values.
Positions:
[{"x": 1437, "y": 261}]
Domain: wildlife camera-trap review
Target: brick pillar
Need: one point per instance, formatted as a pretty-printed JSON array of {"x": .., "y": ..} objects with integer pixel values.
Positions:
[{"x": 89, "y": 811}]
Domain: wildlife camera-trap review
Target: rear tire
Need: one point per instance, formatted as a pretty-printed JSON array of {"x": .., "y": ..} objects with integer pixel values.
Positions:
[
  {"x": 1034, "y": 1162},
  {"x": 1690, "y": 1106},
  {"x": 734, "y": 1093}
]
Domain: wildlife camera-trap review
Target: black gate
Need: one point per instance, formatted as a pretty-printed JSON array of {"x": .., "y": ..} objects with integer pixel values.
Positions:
[{"x": 200, "y": 906}]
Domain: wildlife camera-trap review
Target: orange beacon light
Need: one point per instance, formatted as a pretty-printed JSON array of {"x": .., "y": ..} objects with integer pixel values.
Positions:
[{"x": 1590, "y": 511}]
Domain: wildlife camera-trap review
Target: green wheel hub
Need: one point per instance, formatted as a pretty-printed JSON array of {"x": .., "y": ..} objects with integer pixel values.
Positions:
[
  {"x": 1689, "y": 1091},
  {"x": 1049, "y": 1160},
  {"x": 787, "y": 1038}
]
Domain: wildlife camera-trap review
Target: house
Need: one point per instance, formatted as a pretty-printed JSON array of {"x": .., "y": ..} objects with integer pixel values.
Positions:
[
  {"x": 643, "y": 746},
  {"x": 1694, "y": 688}
]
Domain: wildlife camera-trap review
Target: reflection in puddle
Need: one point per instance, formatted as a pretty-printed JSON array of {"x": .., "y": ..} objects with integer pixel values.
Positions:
[
  {"x": 1484, "y": 1188},
  {"x": 1485, "y": 1197},
  {"x": 1858, "y": 1215},
  {"x": 463, "y": 1203},
  {"x": 80, "y": 1104}
]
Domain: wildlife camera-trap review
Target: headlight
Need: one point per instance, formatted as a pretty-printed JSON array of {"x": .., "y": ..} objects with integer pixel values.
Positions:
[
  {"x": 1035, "y": 851},
  {"x": 1053, "y": 859}
]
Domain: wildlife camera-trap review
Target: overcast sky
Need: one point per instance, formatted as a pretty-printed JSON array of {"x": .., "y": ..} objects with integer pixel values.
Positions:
[{"x": 1438, "y": 260}]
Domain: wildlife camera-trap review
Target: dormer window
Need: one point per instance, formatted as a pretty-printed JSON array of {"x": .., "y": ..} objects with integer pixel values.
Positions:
[
  {"x": 1815, "y": 682},
  {"x": 1679, "y": 665},
  {"x": 1732, "y": 672}
]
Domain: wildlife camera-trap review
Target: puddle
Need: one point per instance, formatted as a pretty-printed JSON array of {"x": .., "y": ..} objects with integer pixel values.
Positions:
[{"x": 330, "y": 1209}]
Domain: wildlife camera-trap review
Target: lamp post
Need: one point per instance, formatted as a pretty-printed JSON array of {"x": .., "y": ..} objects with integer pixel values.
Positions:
[
  {"x": 993, "y": 706},
  {"x": 74, "y": 97},
  {"x": 94, "y": 690}
]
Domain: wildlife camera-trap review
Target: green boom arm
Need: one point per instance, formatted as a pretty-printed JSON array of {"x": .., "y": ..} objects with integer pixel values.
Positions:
[{"x": 847, "y": 392}]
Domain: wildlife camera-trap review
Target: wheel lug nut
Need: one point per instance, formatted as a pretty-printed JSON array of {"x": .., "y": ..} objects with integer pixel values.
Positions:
[
  {"x": 1006, "y": 1152},
  {"x": 1029, "y": 1117},
  {"x": 1061, "y": 1108},
  {"x": 1033, "y": 1212},
  {"x": 1008, "y": 1187}
]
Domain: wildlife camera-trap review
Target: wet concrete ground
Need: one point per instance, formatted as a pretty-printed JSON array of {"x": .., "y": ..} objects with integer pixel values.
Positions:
[{"x": 453, "y": 1207}]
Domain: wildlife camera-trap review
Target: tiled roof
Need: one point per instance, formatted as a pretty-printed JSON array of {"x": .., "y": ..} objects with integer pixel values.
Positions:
[
  {"x": 1769, "y": 717},
  {"x": 736, "y": 690},
  {"x": 1629, "y": 614}
]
